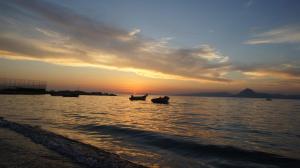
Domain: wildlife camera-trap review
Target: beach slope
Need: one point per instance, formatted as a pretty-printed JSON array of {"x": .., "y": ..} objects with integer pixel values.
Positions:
[{"x": 19, "y": 147}]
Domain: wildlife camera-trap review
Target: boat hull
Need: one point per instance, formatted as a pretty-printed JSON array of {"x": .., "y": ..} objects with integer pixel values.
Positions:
[
  {"x": 134, "y": 98},
  {"x": 137, "y": 98},
  {"x": 161, "y": 100},
  {"x": 65, "y": 94}
]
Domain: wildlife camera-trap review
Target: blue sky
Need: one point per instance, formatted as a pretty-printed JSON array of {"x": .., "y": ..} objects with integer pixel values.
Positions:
[
  {"x": 244, "y": 42},
  {"x": 193, "y": 22},
  {"x": 223, "y": 24}
]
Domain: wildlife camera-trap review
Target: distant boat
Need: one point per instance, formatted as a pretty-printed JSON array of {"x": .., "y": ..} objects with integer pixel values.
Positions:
[
  {"x": 55, "y": 94},
  {"x": 65, "y": 94},
  {"x": 132, "y": 98},
  {"x": 161, "y": 100},
  {"x": 71, "y": 94},
  {"x": 268, "y": 99}
]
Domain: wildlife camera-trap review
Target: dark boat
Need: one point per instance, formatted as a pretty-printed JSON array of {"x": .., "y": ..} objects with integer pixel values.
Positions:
[
  {"x": 161, "y": 100},
  {"x": 268, "y": 99},
  {"x": 70, "y": 94},
  {"x": 55, "y": 94},
  {"x": 65, "y": 94},
  {"x": 132, "y": 98}
]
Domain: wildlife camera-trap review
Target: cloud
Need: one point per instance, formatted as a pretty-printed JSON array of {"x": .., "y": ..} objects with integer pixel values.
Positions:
[
  {"x": 134, "y": 32},
  {"x": 282, "y": 71},
  {"x": 43, "y": 31},
  {"x": 287, "y": 34},
  {"x": 52, "y": 33}
]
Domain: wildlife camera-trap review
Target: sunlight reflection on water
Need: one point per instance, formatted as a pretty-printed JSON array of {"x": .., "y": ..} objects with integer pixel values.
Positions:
[{"x": 124, "y": 127}]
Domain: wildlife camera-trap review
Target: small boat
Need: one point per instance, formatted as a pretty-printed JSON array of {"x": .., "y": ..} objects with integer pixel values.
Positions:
[
  {"x": 55, "y": 94},
  {"x": 132, "y": 98},
  {"x": 70, "y": 94},
  {"x": 161, "y": 100},
  {"x": 65, "y": 94},
  {"x": 268, "y": 99}
]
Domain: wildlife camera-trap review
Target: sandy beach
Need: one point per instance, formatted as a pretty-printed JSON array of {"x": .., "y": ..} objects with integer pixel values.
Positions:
[
  {"x": 32, "y": 147},
  {"x": 19, "y": 151}
]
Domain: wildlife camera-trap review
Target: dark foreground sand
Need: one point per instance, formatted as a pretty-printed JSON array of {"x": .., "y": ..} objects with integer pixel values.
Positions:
[
  {"x": 19, "y": 151},
  {"x": 26, "y": 146}
]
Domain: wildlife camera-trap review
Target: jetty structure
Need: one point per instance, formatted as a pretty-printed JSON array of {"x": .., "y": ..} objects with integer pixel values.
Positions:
[{"x": 22, "y": 86}]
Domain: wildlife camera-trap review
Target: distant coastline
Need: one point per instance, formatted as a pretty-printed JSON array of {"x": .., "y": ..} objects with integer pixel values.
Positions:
[
  {"x": 246, "y": 93},
  {"x": 79, "y": 92},
  {"x": 34, "y": 91}
]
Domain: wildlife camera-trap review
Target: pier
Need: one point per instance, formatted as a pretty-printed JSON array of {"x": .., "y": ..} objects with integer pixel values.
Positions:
[{"x": 22, "y": 86}]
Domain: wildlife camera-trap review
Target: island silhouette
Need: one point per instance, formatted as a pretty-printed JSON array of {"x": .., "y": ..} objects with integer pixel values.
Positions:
[{"x": 245, "y": 93}]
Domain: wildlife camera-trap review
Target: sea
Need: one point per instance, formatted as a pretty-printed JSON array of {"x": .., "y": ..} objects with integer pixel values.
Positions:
[{"x": 188, "y": 132}]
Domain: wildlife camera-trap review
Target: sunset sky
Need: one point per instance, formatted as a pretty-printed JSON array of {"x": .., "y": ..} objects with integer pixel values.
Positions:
[{"x": 155, "y": 46}]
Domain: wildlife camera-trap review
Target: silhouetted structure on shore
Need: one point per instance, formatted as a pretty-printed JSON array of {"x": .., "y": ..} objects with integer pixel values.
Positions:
[{"x": 22, "y": 86}]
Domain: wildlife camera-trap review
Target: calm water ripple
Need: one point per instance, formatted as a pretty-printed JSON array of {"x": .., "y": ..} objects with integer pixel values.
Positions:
[{"x": 189, "y": 132}]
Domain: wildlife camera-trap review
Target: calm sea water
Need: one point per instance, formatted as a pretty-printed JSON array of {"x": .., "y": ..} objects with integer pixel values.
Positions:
[{"x": 189, "y": 132}]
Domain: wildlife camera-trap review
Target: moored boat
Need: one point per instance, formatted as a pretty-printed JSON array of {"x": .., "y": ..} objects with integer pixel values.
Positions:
[
  {"x": 55, "y": 94},
  {"x": 132, "y": 98},
  {"x": 71, "y": 94},
  {"x": 161, "y": 100},
  {"x": 65, "y": 93}
]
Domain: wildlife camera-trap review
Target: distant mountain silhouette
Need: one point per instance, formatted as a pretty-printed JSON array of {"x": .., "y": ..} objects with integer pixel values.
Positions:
[
  {"x": 252, "y": 94},
  {"x": 247, "y": 93}
]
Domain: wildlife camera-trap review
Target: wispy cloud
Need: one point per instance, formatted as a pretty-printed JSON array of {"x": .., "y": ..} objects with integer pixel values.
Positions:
[
  {"x": 56, "y": 34},
  {"x": 282, "y": 71},
  {"x": 249, "y": 3},
  {"x": 288, "y": 34},
  {"x": 134, "y": 32}
]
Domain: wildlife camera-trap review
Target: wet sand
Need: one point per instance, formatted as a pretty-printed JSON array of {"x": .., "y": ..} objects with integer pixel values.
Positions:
[
  {"x": 26, "y": 146},
  {"x": 19, "y": 151}
]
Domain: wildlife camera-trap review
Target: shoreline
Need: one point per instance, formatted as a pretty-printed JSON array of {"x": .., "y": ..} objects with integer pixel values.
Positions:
[
  {"x": 80, "y": 153},
  {"x": 19, "y": 151},
  {"x": 90, "y": 156}
]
